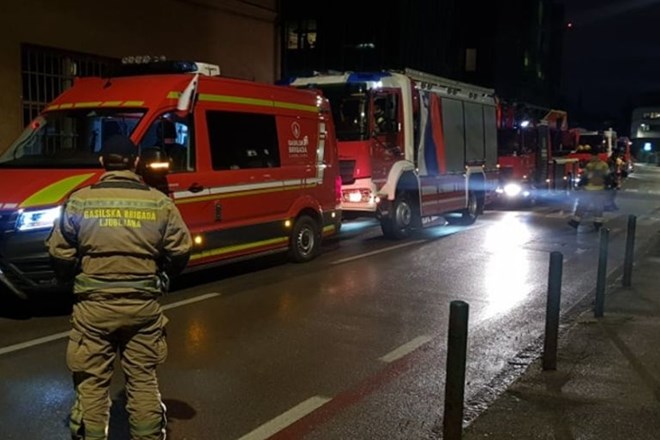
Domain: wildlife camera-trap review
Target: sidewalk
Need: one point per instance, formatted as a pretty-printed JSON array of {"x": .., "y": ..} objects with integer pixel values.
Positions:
[{"x": 607, "y": 382}]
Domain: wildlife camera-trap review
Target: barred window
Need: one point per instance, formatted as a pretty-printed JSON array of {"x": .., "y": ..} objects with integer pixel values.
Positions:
[
  {"x": 301, "y": 34},
  {"x": 46, "y": 72}
]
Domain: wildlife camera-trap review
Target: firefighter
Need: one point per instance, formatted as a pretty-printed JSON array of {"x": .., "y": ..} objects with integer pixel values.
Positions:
[
  {"x": 592, "y": 198},
  {"x": 613, "y": 182},
  {"x": 379, "y": 117},
  {"x": 121, "y": 240}
]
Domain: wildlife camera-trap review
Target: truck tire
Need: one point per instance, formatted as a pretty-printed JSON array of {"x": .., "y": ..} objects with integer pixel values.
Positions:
[
  {"x": 305, "y": 239},
  {"x": 470, "y": 214},
  {"x": 399, "y": 224}
]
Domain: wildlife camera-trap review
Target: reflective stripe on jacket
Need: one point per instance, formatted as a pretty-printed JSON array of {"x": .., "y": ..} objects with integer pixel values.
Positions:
[
  {"x": 596, "y": 172},
  {"x": 120, "y": 232}
]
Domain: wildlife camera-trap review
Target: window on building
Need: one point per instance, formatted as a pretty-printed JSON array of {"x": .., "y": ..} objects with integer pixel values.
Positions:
[
  {"x": 242, "y": 140},
  {"x": 301, "y": 34},
  {"x": 47, "y": 72},
  {"x": 470, "y": 60}
]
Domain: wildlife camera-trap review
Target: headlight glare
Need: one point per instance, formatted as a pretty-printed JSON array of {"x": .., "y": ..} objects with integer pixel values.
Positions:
[
  {"x": 38, "y": 219},
  {"x": 512, "y": 189}
]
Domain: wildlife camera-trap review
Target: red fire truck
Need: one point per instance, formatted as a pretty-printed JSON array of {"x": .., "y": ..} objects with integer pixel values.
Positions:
[
  {"x": 254, "y": 166},
  {"x": 582, "y": 142},
  {"x": 413, "y": 147},
  {"x": 531, "y": 153}
]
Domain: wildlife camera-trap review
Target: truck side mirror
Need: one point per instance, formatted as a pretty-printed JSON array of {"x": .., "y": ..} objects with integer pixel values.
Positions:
[
  {"x": 154, "y": 161},
  {"x": 154, "y": 166}
]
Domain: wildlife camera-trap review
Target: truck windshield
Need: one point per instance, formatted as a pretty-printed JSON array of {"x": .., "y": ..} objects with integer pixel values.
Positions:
[
  {"x": 69, "y": 138},
  {"x": 508, "y": 142},
  {"x": 594, "y": 141},
  {"x": 349, "y": 112}
]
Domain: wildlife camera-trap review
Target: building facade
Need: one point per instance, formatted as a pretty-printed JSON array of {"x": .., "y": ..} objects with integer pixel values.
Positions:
[
  {"x": 44, "y": 44},
  {"x": 513, "y": 46},
  {"x": 645, "y": 132}
]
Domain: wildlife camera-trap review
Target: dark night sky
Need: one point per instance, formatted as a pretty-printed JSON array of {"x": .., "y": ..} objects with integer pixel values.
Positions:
[{"x": 611, "y": 55}]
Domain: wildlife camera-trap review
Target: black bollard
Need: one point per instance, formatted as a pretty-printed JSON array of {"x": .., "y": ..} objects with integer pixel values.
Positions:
[
  {"x": 630, "y": 252},
  {"x": 552, "y": 311},
  {"x": 602, "y": 273},
  {"x": 455, "y": 380}
]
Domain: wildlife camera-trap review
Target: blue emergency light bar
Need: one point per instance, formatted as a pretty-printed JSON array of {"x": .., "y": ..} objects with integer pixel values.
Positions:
[
  {"x": 363, "y": 77},
  {"x": 149, "y": 65}
]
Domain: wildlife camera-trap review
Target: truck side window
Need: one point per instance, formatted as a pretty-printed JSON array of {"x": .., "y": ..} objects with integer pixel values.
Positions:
[
  {"x": 242, "y": 140},
  {"x": 385, "y": 114},
  {"x": 172, "y": 134}
]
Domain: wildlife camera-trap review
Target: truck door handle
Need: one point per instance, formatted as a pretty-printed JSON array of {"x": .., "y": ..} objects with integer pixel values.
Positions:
[
  {"x": 218, "y": 211},
  {"x": 195, "y": 188}
]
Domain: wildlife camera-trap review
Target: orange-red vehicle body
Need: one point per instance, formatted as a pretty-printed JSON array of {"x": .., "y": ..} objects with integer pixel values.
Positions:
[{"x": 256, "y": 159}]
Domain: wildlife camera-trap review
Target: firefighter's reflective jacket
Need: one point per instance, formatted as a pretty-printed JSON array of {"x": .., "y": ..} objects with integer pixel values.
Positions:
[
  {"x": 117, "y": 235},
  {"x": 596, "y": 172}
]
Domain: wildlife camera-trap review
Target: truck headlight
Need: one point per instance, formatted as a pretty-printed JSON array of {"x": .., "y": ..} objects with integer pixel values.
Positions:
[
  {"x": 38, "y": 219},
  {"x": 359, "y": 196},
  {"x": 512, "y": 189}
]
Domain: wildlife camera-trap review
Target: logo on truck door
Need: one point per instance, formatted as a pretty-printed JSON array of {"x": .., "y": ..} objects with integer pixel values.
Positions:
[{"x": 297, "y": 146}]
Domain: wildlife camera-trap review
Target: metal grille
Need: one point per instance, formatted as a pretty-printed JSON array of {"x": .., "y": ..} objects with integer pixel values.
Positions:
[
  {"x": 47, "y": 72},
  {"x": 347, "y": 171}
]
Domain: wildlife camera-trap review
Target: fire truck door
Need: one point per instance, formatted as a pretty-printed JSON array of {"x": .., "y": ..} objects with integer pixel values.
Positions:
[{"x": 387, "y": 131}]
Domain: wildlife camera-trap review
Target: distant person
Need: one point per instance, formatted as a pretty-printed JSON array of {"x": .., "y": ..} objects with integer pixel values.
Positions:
[
  {"x": 592, "y": 197},
  {"x": 613, "y": 182},
  {"x": 380, "y": 120},
  {"x": 120, "y": 241}
]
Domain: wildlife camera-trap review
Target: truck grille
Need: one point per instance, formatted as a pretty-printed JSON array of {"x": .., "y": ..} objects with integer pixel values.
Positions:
[
  {"x": 347, "y": 171},
  {"x": 29, "y": 275}
]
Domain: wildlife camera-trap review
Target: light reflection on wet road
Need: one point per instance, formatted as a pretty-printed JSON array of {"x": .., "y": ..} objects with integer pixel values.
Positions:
[{"x": 349, "y": 346}]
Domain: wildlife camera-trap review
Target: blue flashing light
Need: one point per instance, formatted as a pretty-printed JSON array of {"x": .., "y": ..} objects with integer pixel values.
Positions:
[
  {"x": 648, "y": 146},
  {"x": 362, "y": 77}
]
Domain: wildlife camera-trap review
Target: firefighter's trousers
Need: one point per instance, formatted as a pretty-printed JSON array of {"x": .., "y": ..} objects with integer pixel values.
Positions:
[
  {"x": 134, "y": 328},
  {"x": 590, "y": 202}
]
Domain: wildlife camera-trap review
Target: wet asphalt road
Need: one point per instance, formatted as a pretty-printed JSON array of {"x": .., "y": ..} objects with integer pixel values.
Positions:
[{"x": 349, "y": 346}]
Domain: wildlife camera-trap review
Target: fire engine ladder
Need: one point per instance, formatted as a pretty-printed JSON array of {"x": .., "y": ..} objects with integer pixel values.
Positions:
[{"x": 452, "y": 87}]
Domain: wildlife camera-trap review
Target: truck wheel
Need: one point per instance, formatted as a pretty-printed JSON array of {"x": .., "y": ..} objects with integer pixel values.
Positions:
[
  {"x": 398, "y": 224},
  {"x": 570, "y": 184},
  {"x": 470, "y": 214},
  {"x": 305, "y": 240}
]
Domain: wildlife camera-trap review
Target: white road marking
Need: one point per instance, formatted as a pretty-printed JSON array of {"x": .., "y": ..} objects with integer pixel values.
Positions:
[
  {"x": 185, "y": 302},
  {"x": 61, "y": 335},
  {"x": 380, "y": 251},
  {"x": 280, "y": 422},
  {"x": 32, "y": 343},
  {"x": 405, "y": 349}
]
